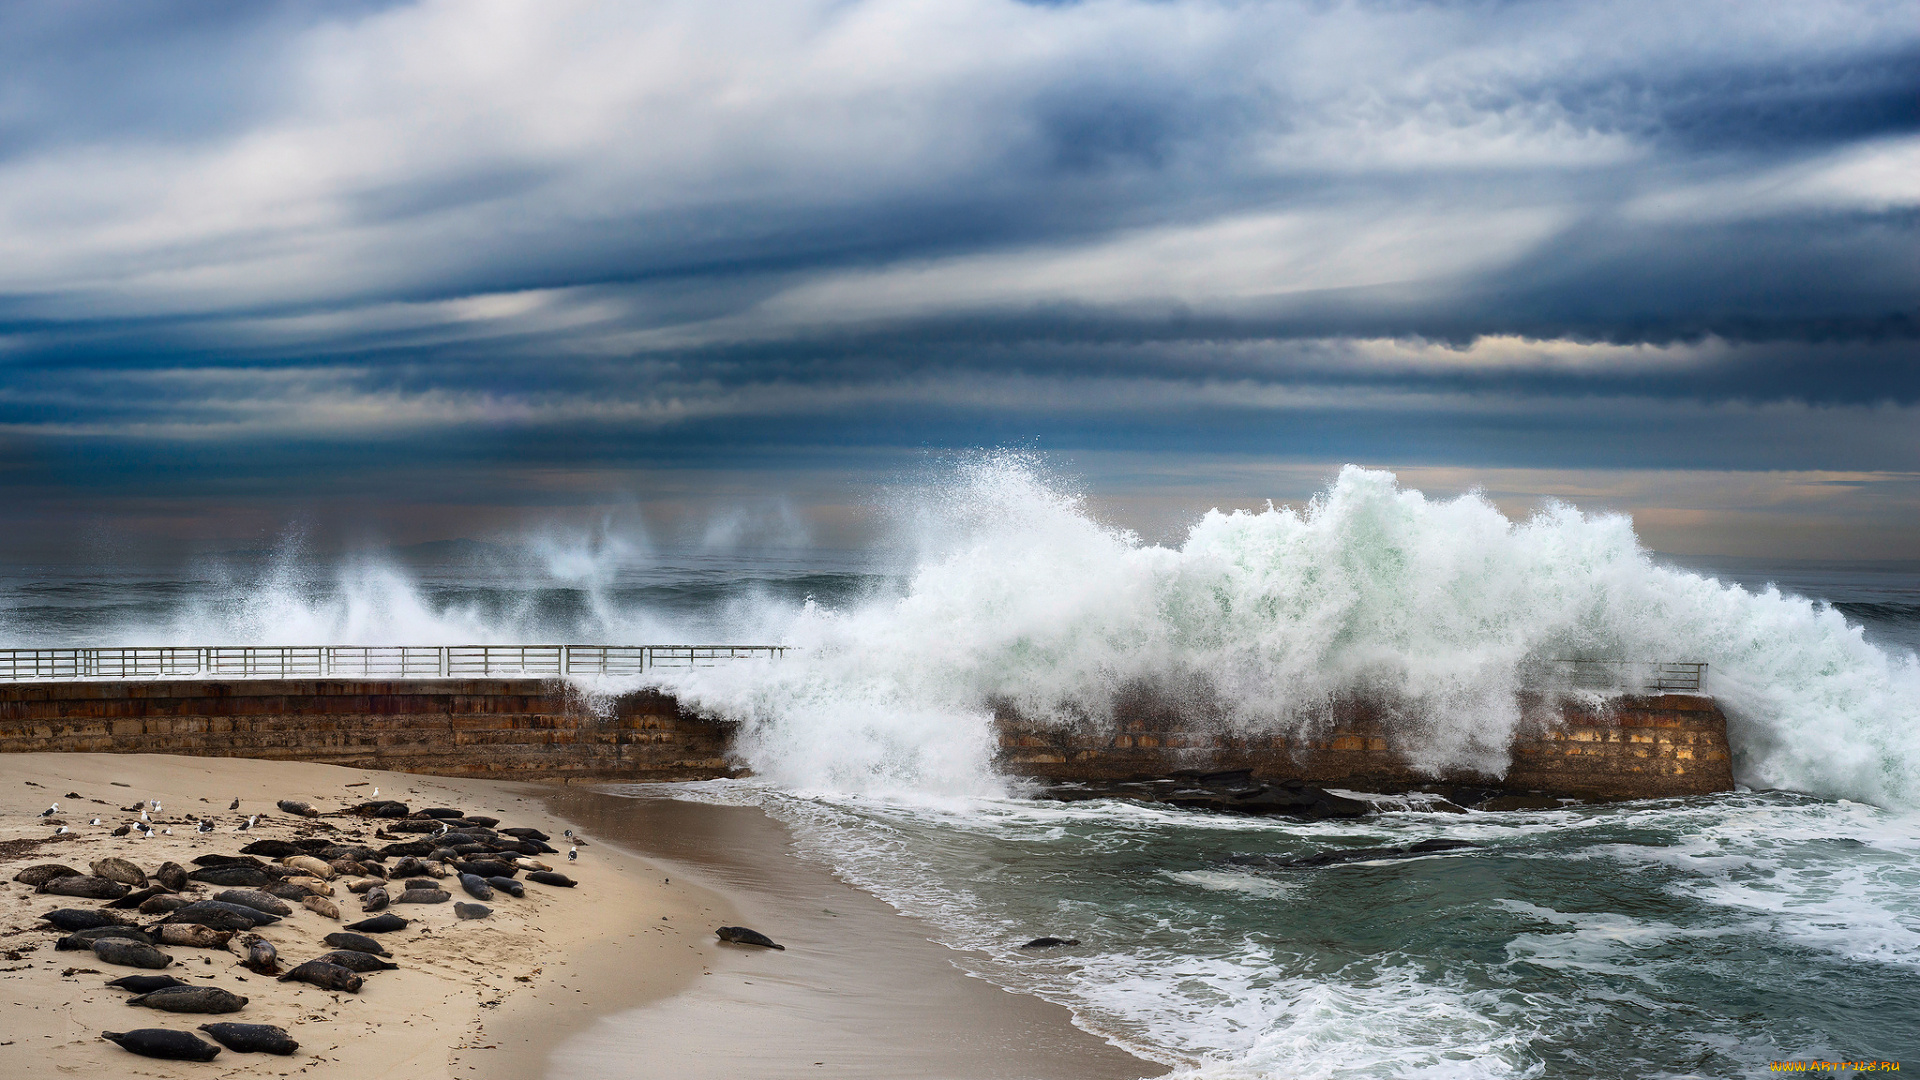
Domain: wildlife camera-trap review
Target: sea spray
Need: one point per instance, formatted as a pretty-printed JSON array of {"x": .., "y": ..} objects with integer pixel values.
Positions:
[{"x": 1443, "y": 609}]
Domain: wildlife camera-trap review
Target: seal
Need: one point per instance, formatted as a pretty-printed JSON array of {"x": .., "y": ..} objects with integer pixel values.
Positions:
[
  {"x": 507, "y": 885},
  {"x": 38, "y": 875},
  {"x": 320, "y": 905},
  {"x": 73, "y": 920},
  {"x": 120, "y": 870},
  {"x": 262, "y": 957},
  {"x": 172, "y": 875},
  {"x": 252, "y": 1038},
  {"x": 740, "y": 935},
  {"x": 137, "y": 897},
  {"x": 256, "y": 900},
  {"x": 163, "y": 1043},
  {"x": 82, "y": 941},
  {"x": 325, "y": 976},
  {"x": 476, "y": 886},
  {"x": 379, "y": 924},
  {"x": 472, "y": 911},
  {"x": 234, "y": 875},
  {"x": 307, "y": 864},
  {"x": 423, "y": 896},
  {"x": 356, "y": 942},
  {"x": 375, "y": 899},
  {"x": 549, "y": 877},
  {"x": 193, "y": 936},
  {"x": 130, "y": 954},
  {"x": 221, "y": 916},
  {"x": 1050, "y": 943},
  {"x": 145, "y": 984},
  {"x": 190, "y": 999},
  {"x": 358, "y": 962},
  {"x": 296, "y": 808},
  {"x": 86, "y": 886},
  {"x": 161, "y": 905}
]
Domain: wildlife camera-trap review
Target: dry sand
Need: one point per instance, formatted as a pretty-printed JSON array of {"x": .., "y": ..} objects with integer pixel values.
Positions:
[
  {"x": 430, "y": 1019},
  {"x": 618, "y": 978}
]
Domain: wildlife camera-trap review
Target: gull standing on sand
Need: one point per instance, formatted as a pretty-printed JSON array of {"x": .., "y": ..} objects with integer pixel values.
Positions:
[
  {"x": 143, "y": 814},
  {"x": 51, "y": 810},
  {"x": 248, "y": 824},
  {"x": 235, "y": 804},
  {"x": 95, "y": 821},
  {"x": 573, "y": 854}
]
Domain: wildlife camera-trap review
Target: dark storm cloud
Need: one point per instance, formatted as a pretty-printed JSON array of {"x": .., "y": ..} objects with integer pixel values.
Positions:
[{"x": 248, "y": 248}]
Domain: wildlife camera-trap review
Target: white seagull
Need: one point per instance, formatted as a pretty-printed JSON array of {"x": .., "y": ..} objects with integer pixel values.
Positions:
[
  {"x": 248, "y": 824},
  {"x": 95, "y": 821},
  {"x": 51, "y": 810},
  {"x": 143, "y": 815},
  {"x": 60, "y": 830},
  {"x": 573, "y": 854}
]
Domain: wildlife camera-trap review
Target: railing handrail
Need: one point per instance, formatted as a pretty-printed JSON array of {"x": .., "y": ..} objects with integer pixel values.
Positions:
[
  {"x": 1680, "y": 676},
  {"x": 327, "y": 661}
]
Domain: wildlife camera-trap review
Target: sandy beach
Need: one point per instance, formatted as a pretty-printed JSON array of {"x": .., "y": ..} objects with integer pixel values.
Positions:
[
  {"x": 428, "y": 1019},
  {"x": 619, "y": 977}
]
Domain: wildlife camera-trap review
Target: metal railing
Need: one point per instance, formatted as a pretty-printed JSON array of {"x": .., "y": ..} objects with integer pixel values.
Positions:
[
  {"x": 365, "y": 661},
  {"x": 1646, "y": 675}
]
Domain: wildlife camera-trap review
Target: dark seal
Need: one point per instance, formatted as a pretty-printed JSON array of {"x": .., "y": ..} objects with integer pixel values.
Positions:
[
  {"x": 162, "y": 1043},
  {"x": 191, "y": 999},
  {"x": 1050, "y": 942},
  {"x": 145, "y": 984},
  {"x": 740, "y": 935},
  {"x": 252, "y": 1038},
  {"x": 325, "y": 976},
  {"x": 356, "y": 942},
  {"x": 379, "y": 924}
]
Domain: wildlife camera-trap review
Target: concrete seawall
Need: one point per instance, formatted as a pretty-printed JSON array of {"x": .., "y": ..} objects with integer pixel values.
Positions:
[{"x": 530, "y": 729}]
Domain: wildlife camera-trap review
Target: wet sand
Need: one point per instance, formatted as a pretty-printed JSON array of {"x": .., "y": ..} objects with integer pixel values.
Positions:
[{"x": 860, "y": 991}]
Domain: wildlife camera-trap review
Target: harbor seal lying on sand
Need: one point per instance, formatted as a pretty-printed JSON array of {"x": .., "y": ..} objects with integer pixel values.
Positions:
[
  {"x": 193, "y": 936},
  {"x": 130, "y": 954},
  {"x": 252, "y": 1038},
  {"x": 162, "y": 1043},
  {"x": 360, "y": 963},
  {"x": 262, "y": 957},
  {"x": 191, "y": 999},
  {"x": 356, "y": 942},
  {"x": 325, "y": 976},
  {"x": 74, "y": 920},
  {"x": 379, "y": 924},
  {"x": 472, "y": 911},
  {"x": 144, "y": 984},
  {"x": 740, "y": 935}
]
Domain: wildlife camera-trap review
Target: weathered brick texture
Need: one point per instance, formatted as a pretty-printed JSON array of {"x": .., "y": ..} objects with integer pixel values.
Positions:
[
  {"x": 522, "y": 729},
  {"x": 1629, "y": 748}
]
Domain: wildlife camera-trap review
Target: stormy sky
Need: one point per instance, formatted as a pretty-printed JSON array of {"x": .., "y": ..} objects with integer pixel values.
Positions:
[{"x": 414, "y": 271}]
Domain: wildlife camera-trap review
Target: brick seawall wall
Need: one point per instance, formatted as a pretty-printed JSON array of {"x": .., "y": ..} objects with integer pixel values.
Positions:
[
  {"x": 522, "y": 729},
  {"x": 1631, "y": 748},
  {"x": 530, "y": 729}
]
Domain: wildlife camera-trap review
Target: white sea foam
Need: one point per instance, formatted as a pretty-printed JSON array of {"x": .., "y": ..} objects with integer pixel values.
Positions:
[
  {"x": 1017, "y": 595},
  {"x": 1443, "y": 608}
]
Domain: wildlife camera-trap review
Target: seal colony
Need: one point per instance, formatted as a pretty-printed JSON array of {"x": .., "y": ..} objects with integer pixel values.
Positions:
[{"x": 312, "y": 931}]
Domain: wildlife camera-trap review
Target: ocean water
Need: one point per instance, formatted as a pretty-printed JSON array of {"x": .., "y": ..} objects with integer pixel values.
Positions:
[{"x": 1698, "y": 937}]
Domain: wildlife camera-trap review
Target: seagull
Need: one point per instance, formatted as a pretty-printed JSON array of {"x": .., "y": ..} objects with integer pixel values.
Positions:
[
  {"x": 569, "y": 832},
  {"x": 60, "y": 831},
  {"x": 206, "y": 826},
  {"x": 156, "y": 806},
  {"x": 95, "y": 821},
  {"x": 376, "y": 793},
  {"x": 573, "y": 854},
  {"x": 235, "y": 805},
  {"x": 51, "y": 810},
  {"x": 143, "y": 815},
  {"x": 166, "y": 832},
  {"x": 248, "y": 824}
]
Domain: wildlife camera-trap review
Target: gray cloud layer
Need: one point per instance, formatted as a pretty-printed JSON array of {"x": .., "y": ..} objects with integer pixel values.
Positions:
[{"x": 485, "y": 235}]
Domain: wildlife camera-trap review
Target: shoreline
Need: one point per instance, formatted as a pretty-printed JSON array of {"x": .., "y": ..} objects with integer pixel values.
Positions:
[{"x": 860, "y": 991}]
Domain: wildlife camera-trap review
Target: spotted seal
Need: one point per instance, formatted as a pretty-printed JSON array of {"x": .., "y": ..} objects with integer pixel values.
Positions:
[
  {"x": 190, "y": 999},
  {"x": 252, "y": 1038},
  {"x": 163, "y": 1043},
  {"x": 325, "y": 976}
]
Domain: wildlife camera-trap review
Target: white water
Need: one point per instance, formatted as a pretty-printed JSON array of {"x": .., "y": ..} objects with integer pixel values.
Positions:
[
  {"x": 1443, "y": 606},
  {"x": 1013, "y": 590}
]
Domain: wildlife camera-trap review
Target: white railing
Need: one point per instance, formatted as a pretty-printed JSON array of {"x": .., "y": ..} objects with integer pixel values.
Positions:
[
  {"x": 365, "y": 661},
  {"x": 1651, "y": 675}
]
